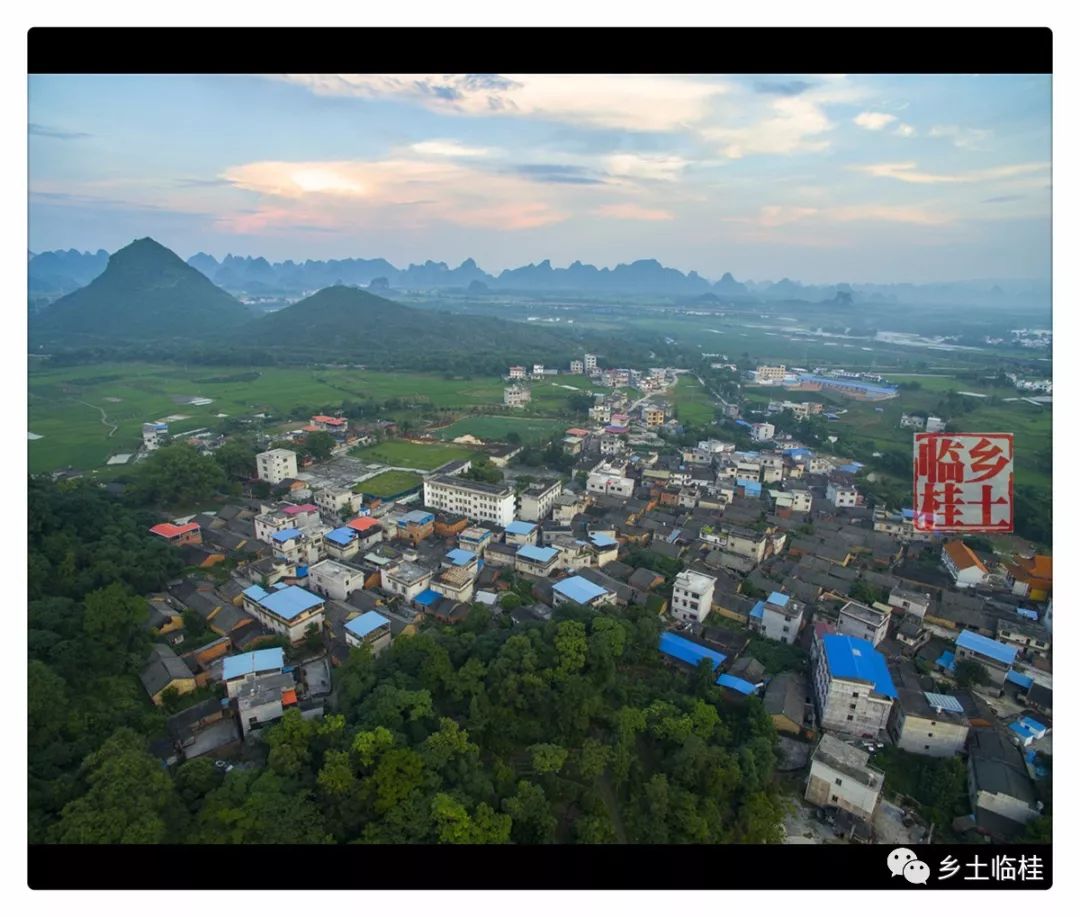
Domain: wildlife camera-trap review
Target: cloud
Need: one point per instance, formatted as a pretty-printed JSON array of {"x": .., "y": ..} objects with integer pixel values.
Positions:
[
  {"x": 557, "y": 174},
  {"x": 40, "y": 130},
  {"x": 874, "y": 120},
  {"x": 909, "y": 172},
  {"x": 904, "y": 130},
  {"x": 449, "y": 148},
  {"x": 962, "y": 137},
  {"x": 789, "y": 88},
  {"x": 777, "y": 215},
  {"x": 643, "y": 102},
  {"x": 793, "y": 125},
  {"x": 774, "y": 215},
  {"x": 632, "y": 211},
  {"x": 651, "y": 168},
  {"x": 1002, "y": 199}
]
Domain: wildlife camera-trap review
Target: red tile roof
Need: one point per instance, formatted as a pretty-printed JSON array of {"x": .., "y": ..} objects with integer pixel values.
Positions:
[
  {"x": 323, "y": 418},
  {"x": 302, "y": 508},
  {"x": 288, "y": 697},
  {"x": 962, "y": 556},
  {"x": 168, "y": 530},
  {"x": 362, "y": 523}
]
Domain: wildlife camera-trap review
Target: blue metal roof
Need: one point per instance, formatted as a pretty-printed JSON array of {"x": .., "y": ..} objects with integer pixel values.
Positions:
[
  {"x": 416, "y": 517},
  {"x": 459, "y": 557},
  {"x": 947, "y": 660},
  {"x": 1034, "y": 725},
  {"x": 799, "y": 453},
  {"x": 855, "y": 658},
  {"x": 907, "y": 512},
  {"x": 255, "y": 593},
  {"x": 1021, "y": 730},
  {"x": 1023, "y": 681},
  {"x": 286, "y": 534},
  {"x": 517, "y": 527},
  {"x": 743, "y": 423},
  {"x": 758, "y": 611},
  {"x": 249, "y": 663},
  {"x": 984, "y": 646},
  {"x": 687, "y": 651},
  {"x": 290, "y": 602},
  {"x": 850, "y": 468},
  {"x": 602, "y": 541},
  {"x": 343, "y": 536},
  {"x": 578, "y": 589},
  {"x": 751, "y": 487},
  {"x": 849, "y": 383},
  {"x": 779, "y": 599},
  {"x": 428, "y": 597},
  {"x": 539, "y": 555},
  {"x": 736, "y": 684},
  {"x": 364, "y": 624},
  {"x": 1027, "y": 613}
]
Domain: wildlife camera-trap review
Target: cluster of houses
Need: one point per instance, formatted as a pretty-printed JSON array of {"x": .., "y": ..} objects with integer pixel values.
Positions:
[
  {"x": 517, "y": 393},
  {"x": 858, "y": 386}
]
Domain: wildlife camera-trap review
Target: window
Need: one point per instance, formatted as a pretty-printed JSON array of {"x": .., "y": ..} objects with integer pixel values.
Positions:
[
  {"x": 850, "y": 717},
  {"x": 851, "y": 707},
  {"x": 835, "y": 798},
  {"x": 926, "y": 748},
  {"x": 854, "y": 694},
  {"x": 838, "y": 781}
]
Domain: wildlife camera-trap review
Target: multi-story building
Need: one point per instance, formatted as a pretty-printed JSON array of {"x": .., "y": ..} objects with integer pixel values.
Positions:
[
  {"x": 963, "y": 565},
  {"x": 475, "y": 539},
  {"x": 841, "y": 776},
  {"x": 600, "y": 413},
  {"x": 853, "y": 690},
  {"x": 335, "y": 580},
  {"x": 935, "y": 425},
  {"x": 414, "y": 526},
  {"x": 653, "y": 416},
  {"x": 1027, "y": 635},
  {"x": 841, "y": 494},
  {"x": 264, "y": 699},
  {"x": 273, "y": 519},
  {"x": 533, "y": 561},
  {"x": 858, "y": 620},
  {"x": 154, "y": 435},
  {"x": 518, "y": 372},
  {"x": 579, "y": 591},
  {"x": 924, "y": 722},
  {"x": 370, "y": 629},
  {"x": 521, "y": 533},
  {"x": 516, "y": 396},
  {"x": 336, "y": 501},
  {"x": 296, "y": 546},
  {"x": 590, "y": 362},
  {"x": 609, "y": 479},
  {"x": 276, "y": 465},
  {"x": 235, "y": 670},
  {"x": 798, "y": 501},
  {"x": 577, "y": 367},
  {"x": 769, "y": 375},
  {"x": 537, "y": 500},
  {"x": 288, "y": 610},
  {"x": 692, "y": 595},
  {"x": 762, "y": 432},
  {"x": 455, "y": 582},
  {"x": 406, "y": 579},
  {"x": 995, "y": 657},
  {"x": 778, "y": 617},
  {"x": 480, "y": 502},
  {"x": 342, "y": 543}
]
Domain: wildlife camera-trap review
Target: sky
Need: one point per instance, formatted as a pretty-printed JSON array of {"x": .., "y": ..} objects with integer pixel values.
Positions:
[{"x": 819, "y": 178}]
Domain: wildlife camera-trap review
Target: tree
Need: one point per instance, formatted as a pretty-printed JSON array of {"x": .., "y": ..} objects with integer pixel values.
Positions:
[
  {"x": 129, "y": 798},
  {"x": 969, "y": 672},
  {"x": 176, "y": 475},
  {"x": 319, "y": 445},
  {"x": 510, "y": 601},
  {"x": 114, "y": 621},
  {"x": 237, "y": 458}
]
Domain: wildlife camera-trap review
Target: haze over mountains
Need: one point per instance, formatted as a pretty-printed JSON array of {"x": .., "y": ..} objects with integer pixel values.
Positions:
[{"x": 55, "y": 272}]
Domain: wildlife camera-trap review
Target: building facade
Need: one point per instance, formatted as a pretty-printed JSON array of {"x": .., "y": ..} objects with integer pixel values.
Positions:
[
  {"x": 494, "y": 503},
  {"x": 276, "y": 465},
  {"x": 692, "y": 595}
]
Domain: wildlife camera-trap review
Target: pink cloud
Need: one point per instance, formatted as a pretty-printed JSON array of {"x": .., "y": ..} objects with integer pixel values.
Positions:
[{"x": 632, "y": 211}]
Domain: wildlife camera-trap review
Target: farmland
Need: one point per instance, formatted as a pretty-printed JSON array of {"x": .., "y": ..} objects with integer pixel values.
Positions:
[
  {"x": 404, "y": 454},
  {"x": 492, "y": 427},
  {"x": 693, "y": 404}
]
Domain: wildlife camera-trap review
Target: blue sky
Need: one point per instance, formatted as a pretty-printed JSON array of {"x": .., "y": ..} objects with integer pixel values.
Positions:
[{"x": 817, "y": 178}]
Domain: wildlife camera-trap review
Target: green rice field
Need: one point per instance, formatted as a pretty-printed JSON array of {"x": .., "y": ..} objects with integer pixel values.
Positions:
[{"x": 494, "y": 427}]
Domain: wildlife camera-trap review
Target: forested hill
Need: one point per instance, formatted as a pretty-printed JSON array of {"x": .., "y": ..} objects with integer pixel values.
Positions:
[{"x": 569, "y": 731}]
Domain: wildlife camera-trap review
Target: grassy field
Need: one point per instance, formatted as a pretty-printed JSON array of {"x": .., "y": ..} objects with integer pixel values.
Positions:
[
  {"x": 388, "y": 483},
  {"x": 494, "y": 427},
  {"x": 64, "y": 402},
  {"x": 412, "y": 455},
  {"x": 693, "y": 404}
]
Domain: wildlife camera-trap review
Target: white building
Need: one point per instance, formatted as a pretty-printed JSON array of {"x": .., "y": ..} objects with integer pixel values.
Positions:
[
  {"x": 841, "y": 776},
  {"x": 154, "y": 435},
  {"x": 538, "y": 369},
  {"x": 911, "y": 603},
  {"x": 609, "y": 479},
  {"x": 853, "y": 690},
  {"x": 334, "y": 580},
  {"x": 963, "y": 565},
  {"x": 590, "y": 362},
  {"x": 298, "y": 546},
  {"x": 692, "y": 595},
  {"x": 516, "y": 396},
  {"x": 935, "y": 425},
  {"x": 577, "y": 367},
  {"x": 288, "y": 610},
  {"x": 518, "y": 372},
  {"x": 762, "y": 432},
  {"x": 841, "y": 495},
  {"x": 405, "y": 579},
  {"x": 537, "y": 500},
  {"x": 925, "y": 723},
  {"x": 333, "y": 501},
  {"x": 798, "y": 501},
  {"x": 480, "y": 502},
  {"x": 857, "y": 620},
  {"x": 769, "y": 375},
  {"x": 276, "y": 465},
  {"x": 778, "y": 617}
]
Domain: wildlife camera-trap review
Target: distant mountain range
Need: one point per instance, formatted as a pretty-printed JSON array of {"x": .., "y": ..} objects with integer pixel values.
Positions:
[{"x": 253, "y": 277}]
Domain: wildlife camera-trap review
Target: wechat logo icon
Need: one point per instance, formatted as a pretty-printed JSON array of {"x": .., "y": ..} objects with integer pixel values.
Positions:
[{"x": 904, "y": 862}]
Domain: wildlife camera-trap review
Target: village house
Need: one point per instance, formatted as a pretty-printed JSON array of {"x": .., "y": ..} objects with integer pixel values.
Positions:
[
  {"x": 415, "y": 526},
  {"x": 925, "y": 722},
  {"x": 516, "y": 396},
  {"x": 858, "y": 620},
  {"x": 455, "y": 582},
  {"x": 692, "y": 595},
  {"x": 578, "y": 590},
  {"x": 287, "y": 610},
  {"x": 342, "y": 543},
  {"x": 368, "y": 529},
  {"x": 335, "y": 580},
  {"x": 337, "y": 427},
  {"x": 264, "y": 699},
  {"x": 566, "y": 506},
  {"x": 336, "y": 501},
  {"x": 914, "y": 604},
  {"x": 521, "y": 533},
  {"x": 533, "y": 561},
  {"x": 841, "y": 776},
  {"x": 165, "y": 671},
  {"x": 1003, "y": 798},
  {"x": 475, "y": 540},
  {"x": 283, "y": 516},
  {"x": 963, "y": 565},
  {"x": 789, "y": 703},
  {"x": 188, "y": 533},
  {"x": 369, "y": 629},
  {"x": 294, "y": 546},
  {"x": 853, "y": 689},
  {"x": 538, "y": 499},
  {"x": 1031, "y": 577},
  {"x": 1029, "y": 636},
  {"x": 996, "y": 658},
  {"x": 609, "y": 479},
  {"x": 276, "y": 465},
  {"x": 237, "y": 669},
  {"x": 777, "y": 617},
  {"x": 406, "y": 579},
  {"x": 841, "y": 494}
]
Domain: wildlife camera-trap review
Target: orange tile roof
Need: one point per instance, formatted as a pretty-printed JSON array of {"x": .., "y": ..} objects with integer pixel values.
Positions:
[
  {"x": 288, "y": 697},
  {"x": 962, "y": 556},
  {"x": 323, "y": 418},
  {"x": 362, "y": 523},
  {"x": 1042, "y": 566},
  {"x": 168, "y": 530}
]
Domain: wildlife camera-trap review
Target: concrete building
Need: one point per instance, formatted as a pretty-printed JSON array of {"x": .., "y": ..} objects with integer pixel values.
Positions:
[
  {"x": 518, "y": 372},
  {"x": 533, "y": 561},
  {"x": 475, "y": 539},
  {"x": 577, "y": 367},
  {"x": 590, "y": 362},
  {"x": 520, "y": 533},
  {"x": 841, "y": 494},
  {"x": 334, "y": 501},
  {"x": 925, "y": 722},
  {"x": 343, "y": 543},
  {"x": 294, "y": 546},
  {"x": 579, "y": 591},
  {"x": 762, "y": 432},
  {"x": 798, "y": 501},
  {"x": 1001, "y": 792},
  {"x": 858, "y": 620},
  {"x": 188, "y": 533},
  {"x": 769, "y": 375},
  {"x": 335, "y": 580},
  {"x": 406, "y": 579},
  {"x": 853, "y": 690},
  {"x": 653, "y": 416},
  {"x": 235, "y": 670},
  {"x": 288, "y": 610},
  {"x": 278, "y": 518},
  {"x": 778, "y": 617},
  {"x": 455, "y": 582},
  {"x": 566, "y": 506},
  {"x": 910, "y": 603},
  {"x": 415, "y": 526},
  {"x": 935, "y": 425},
  {"x": 264, "y": 699},
  {"x": 370, "y": 629},
  {"x": 154, "y": 435},
  {"x": 494, "y": 503},
  {"x": 538, "y": 499},
  {"x": 995, "y": 657},
  {"x": 609, "y": 479},
  {"x": 692, "y": 595},
  {"x": 276, "y": 465},
  {"x": 963, "y": 565},
  {"x": 841, "y": 776},
  {"x": 516, "y": 396}
]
